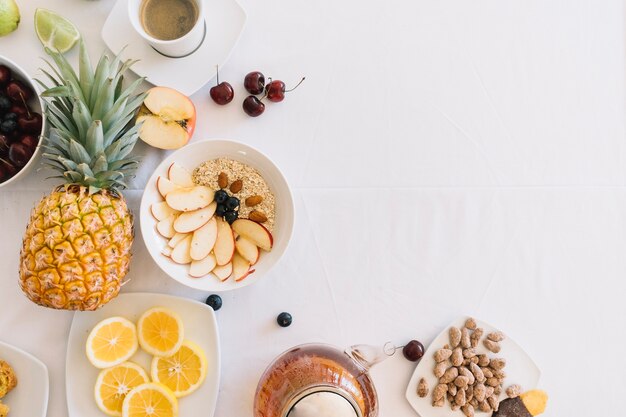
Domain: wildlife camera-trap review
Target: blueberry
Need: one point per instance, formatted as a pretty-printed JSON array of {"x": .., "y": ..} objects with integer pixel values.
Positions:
[
  {"x": 232, "y": 203},
  {"x": 284, "y": 319},
  {"x": 8, "y": 126},
  {"x": 5, "y": 103},
  {"x": 221, "y": 196},
  {"x": 231, "y": 216},
  {"x": 214, "y": 301},
  {"x": 10, "y": 116},
  {"x": 220, "y": 210}
]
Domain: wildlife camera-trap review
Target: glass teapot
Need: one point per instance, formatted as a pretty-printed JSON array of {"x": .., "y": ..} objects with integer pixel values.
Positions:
[{"x": 315, "y": 380}]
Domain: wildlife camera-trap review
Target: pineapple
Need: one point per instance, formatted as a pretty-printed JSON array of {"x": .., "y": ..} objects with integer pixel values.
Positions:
[{"x": 77, "y": 247}]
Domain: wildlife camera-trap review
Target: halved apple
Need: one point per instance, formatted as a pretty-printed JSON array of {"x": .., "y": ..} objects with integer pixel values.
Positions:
[
  {"x": 241, "y": 268},
  {"x": 225, "y": 243},
  {"x": 180, "y": 176},
  {"x": 247, "y": 249},
  {"x": 223, "y": 272},
  {"x": 176, "y": 238},
  {"x": 180, "y": 254},
  {"x": 254, "y": 231},
  {"x": 161, "y": 210},
  {"x": 168, "y": 118},
  {"x": 193, "y": 220},
  {"x": 202, "y": 267},
  {"x": 203, "y": 240},
  {"x": 190, "y": 199},
  {"x": 166, "y": 226},
  {"x": 166, "y": 186}
]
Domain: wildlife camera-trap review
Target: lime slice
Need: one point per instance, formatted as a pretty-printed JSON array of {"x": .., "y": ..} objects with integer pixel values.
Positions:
[{"x": 55, "y": 31}]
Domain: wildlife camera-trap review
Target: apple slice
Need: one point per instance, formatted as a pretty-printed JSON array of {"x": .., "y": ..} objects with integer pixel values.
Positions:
[
  {"x": 203, "y": 240},
  {"x": 193, "y": 220},
  {"x": 225, "y": 243},
  {"x": 167, "y": 251},
  {"x": 166, "y": 226},
  {"x": 166, "y": 186},
  {"x": 241, "y": 268},
  {"x": 161, "y": 210},
  {"x": 176, "y": 239},
  {"x": 180, "y": 176},
  {"x": 202, "y": 267},
  {"x": 180, "y": 254},
  {"x": 247, "y": 249},
  {"x": 189, "y": 199},
  {"x": 223, "y": 272},
  {"x": 254, "y": 231}
]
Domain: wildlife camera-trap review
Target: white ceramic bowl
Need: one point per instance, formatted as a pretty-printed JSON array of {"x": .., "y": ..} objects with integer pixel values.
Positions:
[
  {"x": 36, "y": 104},
  {"x": 190, "y": 157}
]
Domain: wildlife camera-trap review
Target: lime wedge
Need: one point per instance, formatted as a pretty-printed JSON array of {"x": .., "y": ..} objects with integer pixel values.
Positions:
[{"x": 55, "y": 31}]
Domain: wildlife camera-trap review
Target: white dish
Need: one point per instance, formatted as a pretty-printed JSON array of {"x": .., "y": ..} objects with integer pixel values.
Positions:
[
  {"x": 520, "y": 369},
  {"x": 190, "y": 156},
  {"x": 200, "y": 327},
  {"x": 30, "y": 396},
  {"x": 225, "y": 21}
]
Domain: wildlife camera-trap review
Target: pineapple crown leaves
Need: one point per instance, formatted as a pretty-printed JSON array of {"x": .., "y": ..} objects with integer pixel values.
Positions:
[{"x": 91, "y": 113}]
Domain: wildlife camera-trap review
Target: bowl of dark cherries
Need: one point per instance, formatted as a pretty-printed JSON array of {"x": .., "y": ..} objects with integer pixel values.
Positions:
[{"x": 22, "y": 122}]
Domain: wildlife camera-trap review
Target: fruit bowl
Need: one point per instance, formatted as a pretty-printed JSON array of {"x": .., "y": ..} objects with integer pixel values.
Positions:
[
  {"x": 10, "y": 174},
  {"x": 190, "y": 157}
]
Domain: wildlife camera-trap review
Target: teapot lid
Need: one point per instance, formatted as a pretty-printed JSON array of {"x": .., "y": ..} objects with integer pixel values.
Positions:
[{"x": 323, "y": 404}]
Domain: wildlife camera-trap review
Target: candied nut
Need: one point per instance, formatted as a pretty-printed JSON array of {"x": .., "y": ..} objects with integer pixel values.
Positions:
[
  {"x": 478, "y": 373},
  {"x": 440, "y": 368},
  {"x": 487, "y": 372},
  {"x": 493, "y": 402},
  {"x": 465, "y": 338},
  {"x": 455, "y": 336},
  {"x": 447, "y": 346},
  {"x": 500, "y": 374},
  {"x": 484, "y": 406},
  {"x": 422, "y": 388},
  {"x": 440, "y": 392},
  {"x": 442, "y": 354},
  {"x": 449, "y": 376},
  {"x": 470, "y": 324},
  {"x": 497, "y": 364},
  {"x": 491, "y": 345},
  {"x": 474, "y": 402},
  {"x": 452, "y": 389},
  {"x": 468, "y": 410},
  {"x": 461, "y": 381},
  {"x": 465, "y": 362},
  {"x": 439, "y": 402},
  {"x": 513, "y": 391},
  {"x": 257, "y": 216},
  {"x": 470, "y": 376},
  {"x": 480, "y": 392},
  {"x": 475, "y": 337},
  {"x": 474, "y": 359},
  {"x": 483, "y": 360},
  {"x": 469, "y": 353},
  {"x": 222, "y": 180},
  {"x": 450, "y": 398},
  {"x": 497, "y": 391},
  {"x": 454, "y": 406},
  {"x": 489, "y": 392},
  {"x": 457, "y": 356},
  {"x": 236, "y": 186},
  {"x": 492, "y": 382},
  {"x": 253, "y": 200},
  {"x": 459, "y": 398},
  {"x": 496, "y": 336},
  {"x": 469, "y": 393}
]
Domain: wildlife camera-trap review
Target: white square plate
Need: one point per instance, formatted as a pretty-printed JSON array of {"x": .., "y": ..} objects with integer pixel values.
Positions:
[
  {"x": 30, "y": 396},
  {"x": 225, "y": 20},
  {"x": 200, "y": 327},
  {"x": 520, "y": 369}
]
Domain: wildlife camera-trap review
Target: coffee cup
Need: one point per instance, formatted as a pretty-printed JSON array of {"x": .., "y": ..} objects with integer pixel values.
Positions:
[{"x": 174, "y": 28}]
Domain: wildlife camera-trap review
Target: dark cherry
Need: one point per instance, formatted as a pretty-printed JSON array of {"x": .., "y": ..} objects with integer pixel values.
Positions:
[
  {"x": 18, "y": 92},
  {"x": 19, "y": 110},
  {"x": 253, "y": 106},
  {"x": 29, "y": 141},
  {"x": 223, "y": 92},
  {"x": 19, "y": 154},
  {"x": 254, "y": 82},
  {"x": 276, "y": 90},
  {"x": 413, "y": 351},
  {"x": 9, "y": 169},
  {"x": 30, "y": 123},
  {"x": 5, "y": 74}
]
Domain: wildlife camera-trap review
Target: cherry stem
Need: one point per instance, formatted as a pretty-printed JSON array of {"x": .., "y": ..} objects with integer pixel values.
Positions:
[
  {"x": 217, "y": 70},
  {"x": 25, "y": 105},
  {"x": 286, "y": 91}
]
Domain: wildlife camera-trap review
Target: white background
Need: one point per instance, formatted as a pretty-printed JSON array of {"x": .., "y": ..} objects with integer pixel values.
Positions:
[{"x": 446, "y": 158}]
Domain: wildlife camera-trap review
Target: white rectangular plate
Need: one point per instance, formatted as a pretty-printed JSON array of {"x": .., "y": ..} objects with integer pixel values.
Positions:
[{"x": 200, "y": 327}]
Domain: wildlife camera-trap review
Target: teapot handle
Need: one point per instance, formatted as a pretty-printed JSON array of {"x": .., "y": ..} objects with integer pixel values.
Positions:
[{"x": 366, "y": 356}]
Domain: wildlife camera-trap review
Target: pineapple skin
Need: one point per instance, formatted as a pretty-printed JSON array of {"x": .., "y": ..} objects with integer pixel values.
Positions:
[{"x": 77, "y": 249}]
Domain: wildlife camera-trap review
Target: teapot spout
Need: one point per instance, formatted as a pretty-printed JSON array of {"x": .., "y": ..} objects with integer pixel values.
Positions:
[{"x": 367, "y": 356}]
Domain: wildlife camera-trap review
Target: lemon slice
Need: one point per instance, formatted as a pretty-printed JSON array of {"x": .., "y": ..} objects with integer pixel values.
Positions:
[
  {"x": 160, "y": 332},
  {"x": 182, "y": 372},
  {"x": 111, "y": 342},
  {"x": 114, "y": 383},
  {"x": 55, "y": 31},
  {"x": 150, "y": 400}
]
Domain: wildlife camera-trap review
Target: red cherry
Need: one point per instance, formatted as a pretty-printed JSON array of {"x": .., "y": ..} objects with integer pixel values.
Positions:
[
  {"x": 413, "y": 351},
  {"x": 29, "y": 141},
  {"x": 5, "y": 74},
  {"x": 9, "y": 169},
  {"x": 276, "y": 90},
  {"x": 253, "y": 106},
  {"x": 18, "y": 92},
  {"x": 30, "y": 123},
  {"x": 18, "y": 109},
  {"x": 19, "y": 154},
  {"x": 223, "y": 92},
  {"x": 254, "y": 82}
]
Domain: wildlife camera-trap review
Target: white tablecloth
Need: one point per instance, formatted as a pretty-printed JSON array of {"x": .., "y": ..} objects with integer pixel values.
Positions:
[{"x": 446, "y": 157}]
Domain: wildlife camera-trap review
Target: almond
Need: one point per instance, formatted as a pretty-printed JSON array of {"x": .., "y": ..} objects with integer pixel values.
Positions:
[
  {"x": 236, "y": 186},
  {"x": 257, "y": 216},
  {"x": 222, "y": 180},
  {"x": 253, "y": 200}
]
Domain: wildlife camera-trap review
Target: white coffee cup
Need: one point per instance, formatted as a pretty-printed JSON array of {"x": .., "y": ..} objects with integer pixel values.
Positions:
[{"x": 176, "y": 47}]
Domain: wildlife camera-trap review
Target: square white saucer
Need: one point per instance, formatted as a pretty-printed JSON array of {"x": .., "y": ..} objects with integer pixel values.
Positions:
[{"x": 225, "y": 21}]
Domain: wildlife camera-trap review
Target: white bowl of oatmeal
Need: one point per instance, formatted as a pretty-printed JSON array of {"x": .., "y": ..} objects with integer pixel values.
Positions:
[{"x": 257, "y": 176}]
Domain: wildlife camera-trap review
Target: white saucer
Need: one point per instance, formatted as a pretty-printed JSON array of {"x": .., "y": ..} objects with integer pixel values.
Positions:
[{"x": 225, "y": 20}]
